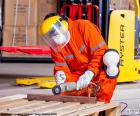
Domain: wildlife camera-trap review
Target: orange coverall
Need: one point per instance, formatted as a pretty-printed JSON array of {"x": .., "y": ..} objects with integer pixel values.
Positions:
[{"x": 84, "y": 51}]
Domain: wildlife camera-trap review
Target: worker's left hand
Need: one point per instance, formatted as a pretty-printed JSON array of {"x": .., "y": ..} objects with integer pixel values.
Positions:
[
  {"x": 60, "y": 77},
  {"x": 85, "y": 79}
]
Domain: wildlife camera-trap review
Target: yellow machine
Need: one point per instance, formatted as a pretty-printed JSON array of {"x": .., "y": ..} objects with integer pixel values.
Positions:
[
  {"x": 124, "y": 37},
  {"x": 47, "y": 84},
  {"x": 33, "y": 80}
]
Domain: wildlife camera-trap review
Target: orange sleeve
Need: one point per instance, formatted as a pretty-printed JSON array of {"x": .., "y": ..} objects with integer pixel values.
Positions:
[
  {"x": 97, "y": 46},
  {"x": 60, "y": 63}
]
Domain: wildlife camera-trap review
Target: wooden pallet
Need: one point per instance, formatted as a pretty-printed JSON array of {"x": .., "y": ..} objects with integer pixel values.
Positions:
[{"x": 21, "y": 106}]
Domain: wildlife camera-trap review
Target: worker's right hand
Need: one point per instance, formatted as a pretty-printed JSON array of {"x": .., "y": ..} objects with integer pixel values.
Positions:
[
  {"x": 60, "y": 77},
  {"x": 84, "y": 79}
]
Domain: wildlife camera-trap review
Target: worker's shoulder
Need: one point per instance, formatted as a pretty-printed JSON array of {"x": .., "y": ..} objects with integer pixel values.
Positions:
[{"x": 83, "y": 24}]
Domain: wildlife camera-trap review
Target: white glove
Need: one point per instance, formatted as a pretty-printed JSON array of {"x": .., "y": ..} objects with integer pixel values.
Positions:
[
  {"x": 60, "y": 77},
  {"x": 84, "y": 79}
]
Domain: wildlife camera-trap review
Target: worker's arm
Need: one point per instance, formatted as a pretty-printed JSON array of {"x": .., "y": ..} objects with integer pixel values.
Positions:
[{"x": 97, "y": 47}]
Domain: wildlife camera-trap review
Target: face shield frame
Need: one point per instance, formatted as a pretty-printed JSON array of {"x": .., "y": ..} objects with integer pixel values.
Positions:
[{"x": 57, "y": 37}]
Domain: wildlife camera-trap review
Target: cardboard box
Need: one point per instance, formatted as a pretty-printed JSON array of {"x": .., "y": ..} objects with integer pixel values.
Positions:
[
  {"x": 20, "y": 12},
  {"x": 19, "y": 36},
  {"x": 27, "y": 12},
  {"x": 40, "y": 41},
  {"x": 38, "y": 10},
  {"x": 121, "y": 4},
  {"x": 45, "y": 7}
]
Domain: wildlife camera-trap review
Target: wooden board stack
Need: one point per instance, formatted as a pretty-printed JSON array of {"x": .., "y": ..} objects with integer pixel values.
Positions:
[{"x": 40, "y": 105}]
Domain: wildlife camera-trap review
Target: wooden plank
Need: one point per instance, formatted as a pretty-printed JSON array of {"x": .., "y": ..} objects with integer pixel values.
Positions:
[
  {"x": 77, "y": 108},
  {"x": 59, "y": 107},
  {"x": 12, "y": 97},
  {"x": 37, "y": 107},
  {"x": 9, "y": 106},
  {"x": 67, "y": 111},
  {"x": 114, "y": 111},
  {"x": 23, "y": 106},
  {"x": 90, "y": 111},
  {"x": 8, "y": 103},
  {"x": 80, "y": 99},
  {"x": 19, "y": 106},
  {"x": 95, "y": 114},
  {"x": 30, "y": 105}
]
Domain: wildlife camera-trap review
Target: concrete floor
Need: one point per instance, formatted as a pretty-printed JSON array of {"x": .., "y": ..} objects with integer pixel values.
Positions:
[
  {"x": 29, "y": 69},
  {"x": 128, "y": 94},
  {"x": 10, "y": 71}
]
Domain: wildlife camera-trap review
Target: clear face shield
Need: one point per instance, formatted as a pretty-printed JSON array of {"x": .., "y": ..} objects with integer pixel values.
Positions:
[{"x": 57, "y": 37}]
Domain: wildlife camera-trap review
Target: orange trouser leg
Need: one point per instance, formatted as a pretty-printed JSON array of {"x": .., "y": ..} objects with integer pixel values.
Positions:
[{"x": 107, "y": 87}]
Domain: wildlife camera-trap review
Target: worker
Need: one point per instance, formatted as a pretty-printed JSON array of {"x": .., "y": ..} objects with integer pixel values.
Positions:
[{"x": 77, "y": 50}]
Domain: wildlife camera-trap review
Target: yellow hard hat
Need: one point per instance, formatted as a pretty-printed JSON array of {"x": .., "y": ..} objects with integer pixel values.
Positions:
[{"x": 47, "y": 24}]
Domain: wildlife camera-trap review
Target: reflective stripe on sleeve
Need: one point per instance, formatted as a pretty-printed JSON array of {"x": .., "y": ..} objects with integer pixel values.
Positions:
[
  {"x": 82, "y": 48},
  {"x": 60, "y": 64},
  {"x": 97, "y": 47},
  {"x": 69, "y": 56}
]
